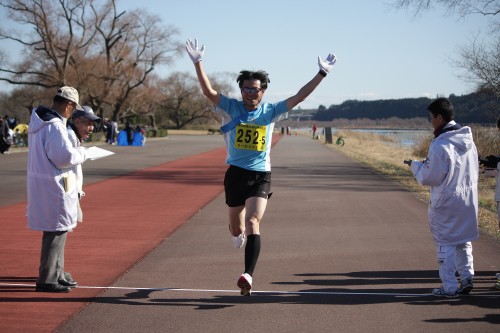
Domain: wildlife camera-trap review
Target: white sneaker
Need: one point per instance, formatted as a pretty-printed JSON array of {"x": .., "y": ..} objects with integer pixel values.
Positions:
[
  {"x": 245, "y": 284},
  {"x": 239, "y": 241}
]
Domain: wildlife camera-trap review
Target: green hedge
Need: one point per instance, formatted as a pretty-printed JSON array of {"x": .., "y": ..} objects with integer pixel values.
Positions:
[{"x": 156, "y": 133}]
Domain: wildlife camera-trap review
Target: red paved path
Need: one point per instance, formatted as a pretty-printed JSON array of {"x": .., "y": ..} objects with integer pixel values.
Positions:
[{"x": 130, "y": 216}]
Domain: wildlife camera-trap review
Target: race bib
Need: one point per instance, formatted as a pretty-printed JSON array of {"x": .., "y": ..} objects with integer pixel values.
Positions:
[{"x": 250, "y": 137}]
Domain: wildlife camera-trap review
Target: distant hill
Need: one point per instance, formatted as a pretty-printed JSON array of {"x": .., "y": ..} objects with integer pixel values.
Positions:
[{"x": 476, "y": 108}]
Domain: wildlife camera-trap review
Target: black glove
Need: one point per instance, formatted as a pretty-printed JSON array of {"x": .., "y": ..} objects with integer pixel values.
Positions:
[{"x": 491, "y": 161}]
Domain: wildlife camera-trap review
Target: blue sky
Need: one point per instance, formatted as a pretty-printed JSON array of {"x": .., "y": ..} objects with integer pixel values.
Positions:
[{"x": 382, "y": 53}]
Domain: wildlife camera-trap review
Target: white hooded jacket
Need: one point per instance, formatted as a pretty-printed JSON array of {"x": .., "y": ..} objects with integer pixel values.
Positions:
[
  {"x": 52, "y": 165},
  {"x": 73, "y": 138},
  {"x": 75, "y": 141},
  {"x": 451, "y": 169}
]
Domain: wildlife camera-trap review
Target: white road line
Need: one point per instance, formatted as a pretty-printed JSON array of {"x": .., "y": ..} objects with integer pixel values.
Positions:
[{"x": 262, "y": 292}]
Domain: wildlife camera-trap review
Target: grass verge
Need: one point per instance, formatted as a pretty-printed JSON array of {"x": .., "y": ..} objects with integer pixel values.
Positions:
[{"x": 385, "y": 155}]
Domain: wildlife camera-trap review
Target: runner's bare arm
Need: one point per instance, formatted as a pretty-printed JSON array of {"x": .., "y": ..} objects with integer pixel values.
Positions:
[
  {"x": 206, "y": 87},
  {"x": 325, "y": 66},
  {"x": 305, "y": 91},
  {"x": 196, "y": 56}
]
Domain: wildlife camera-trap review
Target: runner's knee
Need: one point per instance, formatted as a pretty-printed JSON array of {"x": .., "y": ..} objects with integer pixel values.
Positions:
[
  {"x": 253, "y": 222},
  {"x": 236, "y": 231}
]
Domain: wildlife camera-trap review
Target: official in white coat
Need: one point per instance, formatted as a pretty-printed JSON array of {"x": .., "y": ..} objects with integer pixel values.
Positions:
[
  {"x": 51, "y": 183},
  {"x": 451, "y": 170}
]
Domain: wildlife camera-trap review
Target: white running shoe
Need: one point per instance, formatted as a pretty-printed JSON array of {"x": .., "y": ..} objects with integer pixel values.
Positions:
[
  {"x": 245, "y": 284},
  {"x": 239, "y": 241}
]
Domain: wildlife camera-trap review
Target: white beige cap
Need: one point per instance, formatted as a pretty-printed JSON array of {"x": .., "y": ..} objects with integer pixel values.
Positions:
[{"x": 70, "y": 94}]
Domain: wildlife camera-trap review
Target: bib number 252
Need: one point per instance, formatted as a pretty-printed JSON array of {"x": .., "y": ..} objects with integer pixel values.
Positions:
[{"x": 250, "y": 137}]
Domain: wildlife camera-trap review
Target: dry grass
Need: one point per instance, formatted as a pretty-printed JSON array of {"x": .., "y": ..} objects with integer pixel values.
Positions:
[{"x": 383, "y": 155}]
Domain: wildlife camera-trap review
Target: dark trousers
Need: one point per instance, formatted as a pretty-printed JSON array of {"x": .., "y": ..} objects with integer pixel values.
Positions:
[
  {"x": 52, "y": 257},
  {"x": 4, "y": 145}
]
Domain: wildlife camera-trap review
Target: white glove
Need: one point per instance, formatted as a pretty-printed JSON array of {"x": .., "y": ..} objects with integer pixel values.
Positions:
[
  {"x": 327, "y": 64},
  {"x": 192, "y": 50}
]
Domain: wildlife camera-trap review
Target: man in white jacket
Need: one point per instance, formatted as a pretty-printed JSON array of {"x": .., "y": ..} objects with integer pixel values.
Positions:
[
  {"x": 52, "y": 190},
  {"x": 451, "y": 170}
]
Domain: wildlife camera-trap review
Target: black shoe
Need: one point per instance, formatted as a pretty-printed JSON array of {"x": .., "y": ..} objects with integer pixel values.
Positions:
[
  {"x": 466, "y": 287},
  {"x": 52, "y": 288},
  {"x": 67, "y": 283}
]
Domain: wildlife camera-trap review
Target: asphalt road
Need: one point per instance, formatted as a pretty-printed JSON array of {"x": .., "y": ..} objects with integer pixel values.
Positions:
[{"x": 343, "y": 249}]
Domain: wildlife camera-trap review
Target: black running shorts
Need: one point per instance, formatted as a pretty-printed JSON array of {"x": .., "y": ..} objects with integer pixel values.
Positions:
[{"x": 241, "y": 184}]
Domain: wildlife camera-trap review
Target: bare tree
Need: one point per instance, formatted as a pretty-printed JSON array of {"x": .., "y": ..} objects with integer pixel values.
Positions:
[
  {"x": 133, "y": 45},
  {"x": 479, "y": 61},
  {"x": 460, "y": 7},
  {"x": 144, "y": 102},
  {"x": 482, "y": 65},
  {"x": 53, "y": 31},
  {"x": 106, "y": 54},
  {"x": 182, "y": 103},
  {"x": 20, "y": 102}
]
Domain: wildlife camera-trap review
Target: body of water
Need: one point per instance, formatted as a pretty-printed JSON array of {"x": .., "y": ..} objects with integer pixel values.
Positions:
[{"x": 403, "y": 137}]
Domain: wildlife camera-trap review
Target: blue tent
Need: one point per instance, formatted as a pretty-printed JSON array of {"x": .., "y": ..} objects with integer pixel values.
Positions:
[{"x": 138, "y": 139}]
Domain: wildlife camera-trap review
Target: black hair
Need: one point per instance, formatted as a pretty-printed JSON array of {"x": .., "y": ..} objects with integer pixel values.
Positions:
[
  {"x": 442, "y": 106},
  {"x": 250, "y": 75},
  {"x": 498, "y": 123},
  {"x": 60, "y": 100}
]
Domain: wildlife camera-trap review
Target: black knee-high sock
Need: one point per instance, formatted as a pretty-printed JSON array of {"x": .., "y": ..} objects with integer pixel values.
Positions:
[{"x": 252, "y": 251}]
